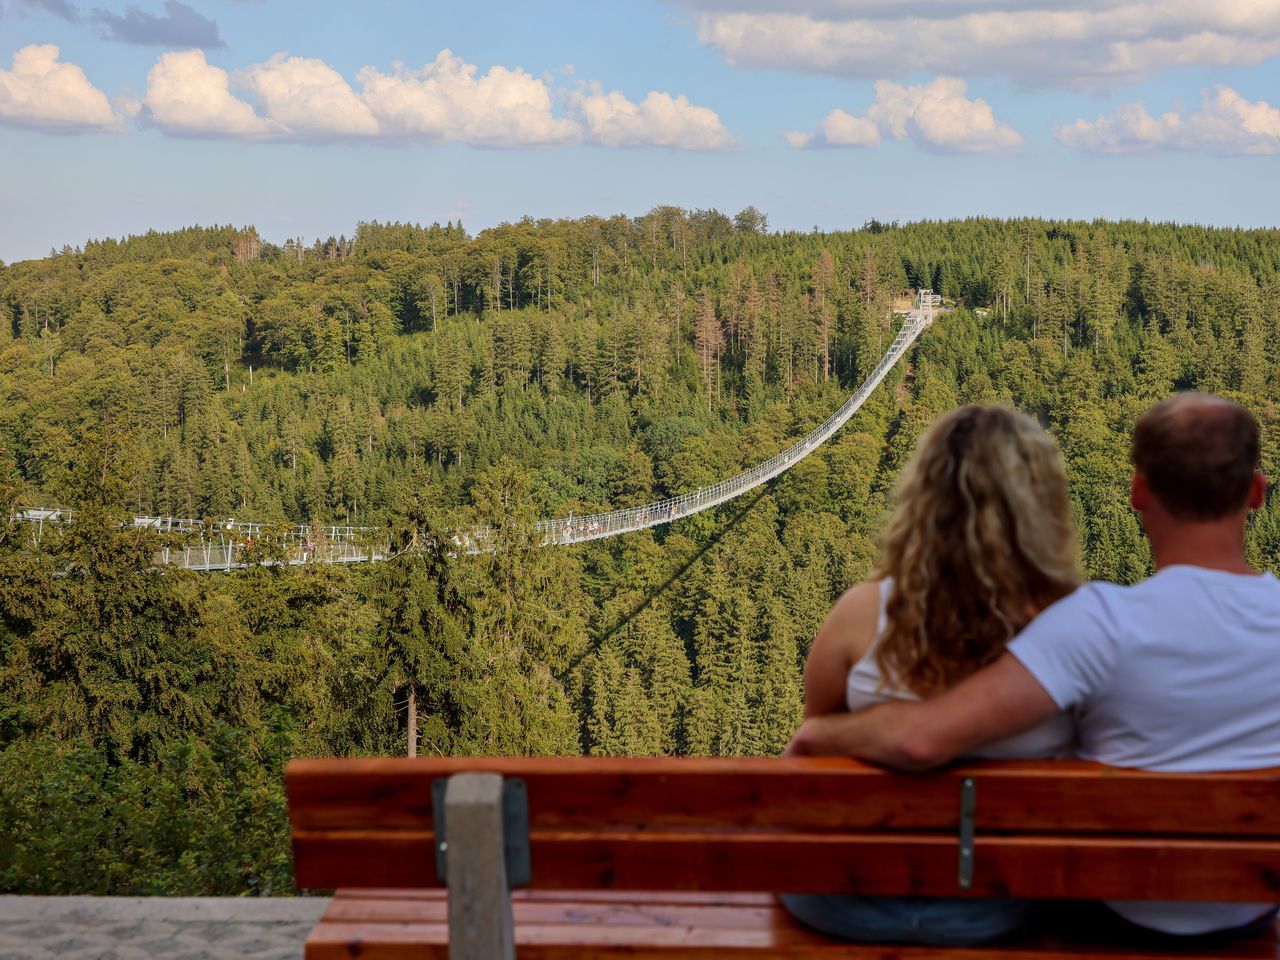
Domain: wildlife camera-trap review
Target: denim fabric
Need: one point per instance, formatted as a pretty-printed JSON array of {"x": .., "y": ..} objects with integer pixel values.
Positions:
[
  {"x": 1118, "y": 928},
  {"x": 934, "y": 921}
]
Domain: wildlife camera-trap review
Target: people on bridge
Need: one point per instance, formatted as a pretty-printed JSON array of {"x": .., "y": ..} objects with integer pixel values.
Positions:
[
  {"x": 981, "y": 539},
  {"x": 1176, "y": 673}
]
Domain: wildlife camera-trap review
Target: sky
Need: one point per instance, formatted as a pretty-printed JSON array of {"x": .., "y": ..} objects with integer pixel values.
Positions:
[{"x": 304, "y": 117}]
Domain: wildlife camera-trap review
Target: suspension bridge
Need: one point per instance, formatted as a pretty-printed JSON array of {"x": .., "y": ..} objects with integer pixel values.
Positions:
[{"x": 224, "y": 545}]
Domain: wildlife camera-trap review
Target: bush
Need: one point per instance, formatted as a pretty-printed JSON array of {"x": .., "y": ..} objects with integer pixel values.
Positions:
[{"x": 207, "y": 818}]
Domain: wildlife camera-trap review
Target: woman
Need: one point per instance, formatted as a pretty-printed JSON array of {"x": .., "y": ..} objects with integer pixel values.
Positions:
[{"x": 981, "y": 540}]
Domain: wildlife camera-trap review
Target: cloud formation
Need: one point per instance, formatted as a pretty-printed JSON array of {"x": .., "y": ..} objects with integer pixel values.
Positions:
[
  {"x": 612, "y": 120},
  {"x": 936, "y": 115},
  {"x": 178, "y": 26},
  {"x": 188, "y": 96},
  {"x": 1039, "y": 42},
  {"x": 42, "y": 92},
  {"x": 449, "y": 100},
  {"x": 446, "y": 101},
  {"x": 1226, "y": 123},
  {"x": 307, "y": 98},
  {"x": 59, "y": 8}
]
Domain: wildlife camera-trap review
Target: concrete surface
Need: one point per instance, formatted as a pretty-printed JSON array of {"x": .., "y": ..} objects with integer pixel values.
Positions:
[{"x": 156, "y": 928}]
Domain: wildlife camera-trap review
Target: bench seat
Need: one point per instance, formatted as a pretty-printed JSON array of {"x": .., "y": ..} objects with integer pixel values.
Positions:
[
  {"x": 604, "y": 839},
  {"x": 593, "y": 924}
]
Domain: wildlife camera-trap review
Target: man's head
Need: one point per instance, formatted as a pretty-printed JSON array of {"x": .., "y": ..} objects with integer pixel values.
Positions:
[{"x": 1195, "y": 458}]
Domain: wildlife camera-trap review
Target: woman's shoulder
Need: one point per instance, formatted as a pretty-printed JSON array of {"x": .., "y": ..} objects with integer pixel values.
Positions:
[{"x": 854, "y": 621}]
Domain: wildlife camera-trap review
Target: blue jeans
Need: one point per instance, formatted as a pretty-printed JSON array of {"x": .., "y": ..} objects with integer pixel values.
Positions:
[{"x": 935, "y": 921}]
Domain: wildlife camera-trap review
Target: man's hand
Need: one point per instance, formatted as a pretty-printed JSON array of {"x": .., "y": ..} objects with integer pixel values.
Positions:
[
  {"x": 874, "y": 734},
  {"x": 998, "y": 702}
]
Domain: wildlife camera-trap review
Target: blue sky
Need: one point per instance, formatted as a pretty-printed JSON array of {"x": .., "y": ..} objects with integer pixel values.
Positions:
[{"x": 293, "y": 116}]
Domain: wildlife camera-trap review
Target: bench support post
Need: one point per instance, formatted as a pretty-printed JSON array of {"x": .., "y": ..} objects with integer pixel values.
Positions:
[{"x": 480, "y": 925}]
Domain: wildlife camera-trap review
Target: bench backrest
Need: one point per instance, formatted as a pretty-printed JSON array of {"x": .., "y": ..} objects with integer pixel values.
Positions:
[{"x": 1053, "y": 830}]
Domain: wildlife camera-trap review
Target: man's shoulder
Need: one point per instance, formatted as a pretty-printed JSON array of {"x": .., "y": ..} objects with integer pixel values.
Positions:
[
  {"x": 1116, "y": 606},
  {"x": 1093, "y": 612},
  {"x": 1092, "y": 597}
]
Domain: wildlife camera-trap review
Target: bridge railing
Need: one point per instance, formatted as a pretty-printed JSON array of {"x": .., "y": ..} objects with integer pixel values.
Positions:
[
  {"x": 223, "y": 545},
  {"x": 596, "y": 526}
]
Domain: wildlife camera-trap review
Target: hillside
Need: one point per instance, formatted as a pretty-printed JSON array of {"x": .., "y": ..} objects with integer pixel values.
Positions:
[{"x": 420, "y": 378}]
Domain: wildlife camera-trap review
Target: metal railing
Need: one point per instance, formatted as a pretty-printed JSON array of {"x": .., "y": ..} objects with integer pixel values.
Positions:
[
  {"x": 223, "y": 545},
  {"x": 615, "y": 522}
]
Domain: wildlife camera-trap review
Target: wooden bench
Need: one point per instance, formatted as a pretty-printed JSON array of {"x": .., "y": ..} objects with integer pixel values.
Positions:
[{"x": 679, "y": 858}]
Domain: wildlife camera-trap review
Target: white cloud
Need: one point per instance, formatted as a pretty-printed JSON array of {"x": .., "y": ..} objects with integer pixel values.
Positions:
[
  {"x": 308, "y": 98},
  {"x": 1226, "y": 123},
  {"x": 188, "y": 96},
  {"x": 41, "y": 91},
  {"x": 1089, "y": 43},
  {"x": 838, "y": 129},
  {"x": 660, "y": 120},
  {"x": 447, "y": 101},
  {"x": 936, "y": 115}
]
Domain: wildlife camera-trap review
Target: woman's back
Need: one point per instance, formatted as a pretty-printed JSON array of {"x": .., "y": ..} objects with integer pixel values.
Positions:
[
  {"x": 980, "y": 540},
  {"x": 864, "y": 687}
]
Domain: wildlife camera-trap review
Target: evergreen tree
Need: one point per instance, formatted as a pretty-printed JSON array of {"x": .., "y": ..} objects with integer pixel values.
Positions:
[{"x": 423, "y": 620}]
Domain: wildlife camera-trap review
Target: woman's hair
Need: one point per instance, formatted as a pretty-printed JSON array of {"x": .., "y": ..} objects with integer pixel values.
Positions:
[{"x": 981, "y": 541}]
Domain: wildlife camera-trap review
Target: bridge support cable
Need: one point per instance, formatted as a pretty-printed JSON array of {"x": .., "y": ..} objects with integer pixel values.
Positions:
[{"x": 221, "y": 545}]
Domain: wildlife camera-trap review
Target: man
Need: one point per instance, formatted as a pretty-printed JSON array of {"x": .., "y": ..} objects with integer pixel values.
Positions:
[{"x": 1178, "y": 673}]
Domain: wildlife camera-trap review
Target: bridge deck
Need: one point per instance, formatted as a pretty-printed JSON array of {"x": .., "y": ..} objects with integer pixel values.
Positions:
[{"x": 222, "y": 545}]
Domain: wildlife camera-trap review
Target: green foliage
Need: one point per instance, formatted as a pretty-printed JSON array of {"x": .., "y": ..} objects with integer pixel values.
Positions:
[
  {"x": 423, "y": 628},
  {"x": 206, "y": 817},
  {"x": 427, "y": 382}
]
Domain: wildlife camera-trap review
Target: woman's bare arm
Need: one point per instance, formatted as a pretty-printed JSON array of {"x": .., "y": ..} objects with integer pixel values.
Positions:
[{"x": 845, "y": 636}]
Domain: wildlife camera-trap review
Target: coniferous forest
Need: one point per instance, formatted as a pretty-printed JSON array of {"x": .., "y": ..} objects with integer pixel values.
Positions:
[{"x": 420, "y": 380}]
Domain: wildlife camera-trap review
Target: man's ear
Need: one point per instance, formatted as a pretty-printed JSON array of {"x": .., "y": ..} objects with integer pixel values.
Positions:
[
  {"x": 1257, "y": 491},
  {"x": 1139, "y": 492}
]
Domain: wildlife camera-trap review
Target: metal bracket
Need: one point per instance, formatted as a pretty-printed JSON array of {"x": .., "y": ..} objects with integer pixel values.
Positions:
[
  {"x": 515, "y": 830},
  {"x": 968, "y": 803}
]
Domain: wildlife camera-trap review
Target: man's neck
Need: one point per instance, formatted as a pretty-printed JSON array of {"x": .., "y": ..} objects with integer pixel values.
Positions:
[{"x": 1213, "y": 546}]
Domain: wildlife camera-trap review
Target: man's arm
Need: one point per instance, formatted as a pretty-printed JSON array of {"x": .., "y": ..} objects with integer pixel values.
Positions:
[{"x": 999, "y": 701}]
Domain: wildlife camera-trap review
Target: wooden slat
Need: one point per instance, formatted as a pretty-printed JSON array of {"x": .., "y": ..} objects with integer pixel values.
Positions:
[
  {"x": 918, "y": 864},
  {"x": 628, "y": 912},
  {"x": 687, "y": 897},
  {"x": 549, "y": 929},
  {"x": 675, "y": 897},
  {"x": 798, "y": 793}
]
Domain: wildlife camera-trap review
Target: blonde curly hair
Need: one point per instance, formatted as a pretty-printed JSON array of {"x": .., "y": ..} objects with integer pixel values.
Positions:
[{"x": 981, "y": 540}]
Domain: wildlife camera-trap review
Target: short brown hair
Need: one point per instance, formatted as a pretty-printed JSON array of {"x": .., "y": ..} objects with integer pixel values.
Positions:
[{"x": 1198, "y": 454}]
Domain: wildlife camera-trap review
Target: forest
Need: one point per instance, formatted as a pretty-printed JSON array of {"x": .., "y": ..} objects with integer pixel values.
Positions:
[{"x": 420, "y": 380}]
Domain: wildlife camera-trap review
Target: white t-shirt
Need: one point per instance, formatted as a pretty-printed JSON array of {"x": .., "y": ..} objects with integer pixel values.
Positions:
[{"x": 1177, "y": 673}]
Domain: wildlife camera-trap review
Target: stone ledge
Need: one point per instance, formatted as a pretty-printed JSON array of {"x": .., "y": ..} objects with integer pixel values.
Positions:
[
  {"x": 156, "y": 928},
  {"x": 171, "y": 909}
]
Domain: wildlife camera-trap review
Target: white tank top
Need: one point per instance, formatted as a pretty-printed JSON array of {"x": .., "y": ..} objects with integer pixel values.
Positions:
[{"x": 865, "y": 687}]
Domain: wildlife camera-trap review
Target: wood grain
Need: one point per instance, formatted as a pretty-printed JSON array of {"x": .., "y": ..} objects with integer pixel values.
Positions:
[
  {"x": 676, "y": 858},
  {"x": 557, "y": 929},
  {"x": 1246, "y": 870},
  {"x": 798, "y": 793}
]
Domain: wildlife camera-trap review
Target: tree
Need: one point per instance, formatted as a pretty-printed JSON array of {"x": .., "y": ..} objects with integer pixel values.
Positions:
[
  {"x": 709, "y": 339},
  {"x": 528, "y": 627},
  {"x": 101, "y": 649},
  {"x": 751, "y": 220},
  {"x": 423, "y": 618}
]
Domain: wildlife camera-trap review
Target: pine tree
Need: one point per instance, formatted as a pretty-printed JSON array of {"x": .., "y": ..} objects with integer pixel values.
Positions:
[{"x": 423, "y": 618}]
